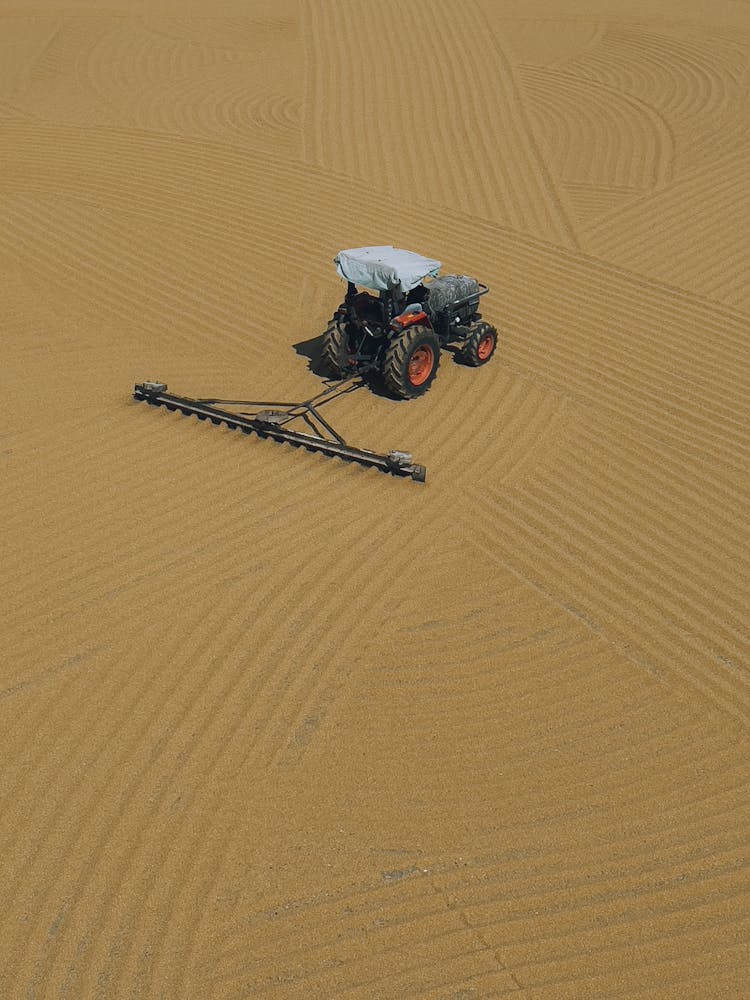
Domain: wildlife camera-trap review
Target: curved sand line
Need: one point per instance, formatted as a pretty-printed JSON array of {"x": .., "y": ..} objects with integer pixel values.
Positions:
[
  {"x": 266, "y": 25},
  {"x": 191, "y": 87},
  {"x": 217, "y": 104},
  {"x": 633, "y": 145},
  {"x": 544, "y": 41},
  {"x": 679, "y": 75}
]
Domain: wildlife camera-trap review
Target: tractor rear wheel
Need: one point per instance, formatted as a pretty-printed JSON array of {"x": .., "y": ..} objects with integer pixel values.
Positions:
[
  {"x": 480, "y": 345},
  {"x": 411, "y": 362},
  {"x": 334, "y": 354}
]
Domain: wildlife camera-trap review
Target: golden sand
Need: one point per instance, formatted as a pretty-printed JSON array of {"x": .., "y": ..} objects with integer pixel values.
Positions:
[{"x": 277, "y": 726}]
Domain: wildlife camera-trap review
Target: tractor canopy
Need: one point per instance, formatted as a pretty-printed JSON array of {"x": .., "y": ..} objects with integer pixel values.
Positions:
[{"x": 382, "y": 269}]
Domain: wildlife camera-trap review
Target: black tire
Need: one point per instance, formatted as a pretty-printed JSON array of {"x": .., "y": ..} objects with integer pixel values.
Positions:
[
  {"x": 334, "y": 353},
  {"x": 401, "y": 372},
  {"x": 480, "y": 345}
]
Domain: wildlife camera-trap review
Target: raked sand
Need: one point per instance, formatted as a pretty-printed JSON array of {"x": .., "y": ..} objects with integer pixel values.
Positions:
[{"x": 276, "y": 726}]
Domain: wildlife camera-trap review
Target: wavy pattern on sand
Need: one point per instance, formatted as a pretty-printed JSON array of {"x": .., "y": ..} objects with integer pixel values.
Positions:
[
  {"x": 461, "y": 942},
  {"x": 130, "y": 58},
  {"x": 255, "y": 704},
  {"x": 8, "y": 110},
  {"x": 667, "y": 363},
  {"x": 681, "y": 75},
  {"x": 720, "y": 136},
  {"x": 717, "y": 222},
  {"x": 277, "y": 726},
  {"x": 23, "y": 41},
  {"x": 591, "y": 922},
  {"x": 195, "y": 85},
  {"x": 218, "y": 104},
  {"x": 342, "y": 611},
  {"x": 544, "y": 41},
  {"x": 445, "y": 951},
  {"x": 463, "y": 105},
  {"x": 55, "y": 84},
  {"x": 691, "y": 617},
  {"x": 204, "y": 651},
  {"x": 499, "y": 908},
  {"x": 267, "y": 25},
  {"x": 591, "y": 203},
  {"x": 143, "y": 257},
  {"x": 74, "y": 957},
  {"x": 515, "y": 425},
  {"x": 226, "y": 686},
  {"x": 595, "y": 365},
  {"x": 598, "y": 136}
]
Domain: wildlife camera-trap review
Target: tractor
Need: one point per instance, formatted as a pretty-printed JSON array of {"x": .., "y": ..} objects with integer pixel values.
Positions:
[{"x": 397, "y": 316}]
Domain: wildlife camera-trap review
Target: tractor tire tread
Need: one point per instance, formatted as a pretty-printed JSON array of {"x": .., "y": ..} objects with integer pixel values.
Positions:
[
  {"x": 396, "y": 357},
  {"x": 333, "y": 351},
  {"x": 469, "y": 354}
]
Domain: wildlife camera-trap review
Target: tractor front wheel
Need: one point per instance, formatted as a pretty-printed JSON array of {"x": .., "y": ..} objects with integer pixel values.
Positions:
[
  {"x": 334, "y": 353},
  {"x": 480, "y": 345},
  {"x": 411, "y": 362}
]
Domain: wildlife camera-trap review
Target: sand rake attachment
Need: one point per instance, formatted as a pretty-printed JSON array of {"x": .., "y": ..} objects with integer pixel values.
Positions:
[{"x": 273, "y": 420}]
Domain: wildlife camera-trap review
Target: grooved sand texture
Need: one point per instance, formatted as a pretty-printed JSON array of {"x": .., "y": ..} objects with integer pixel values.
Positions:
[{"x": 277, "y": 726}]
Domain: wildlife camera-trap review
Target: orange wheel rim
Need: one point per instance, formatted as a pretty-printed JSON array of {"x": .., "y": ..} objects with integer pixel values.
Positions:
[
  {"x": 420, "y": 365},
  {"x": 485, "y": 347}
]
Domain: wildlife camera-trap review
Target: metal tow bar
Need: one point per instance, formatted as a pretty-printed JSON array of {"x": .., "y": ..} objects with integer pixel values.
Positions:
[{"x": 270, "y": 420}]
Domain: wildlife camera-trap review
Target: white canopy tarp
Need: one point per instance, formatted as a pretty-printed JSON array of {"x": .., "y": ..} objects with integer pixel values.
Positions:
[{"x": 384, "y": 268}]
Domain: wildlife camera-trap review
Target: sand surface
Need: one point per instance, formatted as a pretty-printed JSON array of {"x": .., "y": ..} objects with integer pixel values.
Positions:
[{"x": 277, "y": 726}]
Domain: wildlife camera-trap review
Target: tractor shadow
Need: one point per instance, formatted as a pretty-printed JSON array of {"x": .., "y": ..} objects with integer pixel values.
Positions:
[
  {"x": 312, "y": 350},
  {"x": 455, "y": 353}
]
